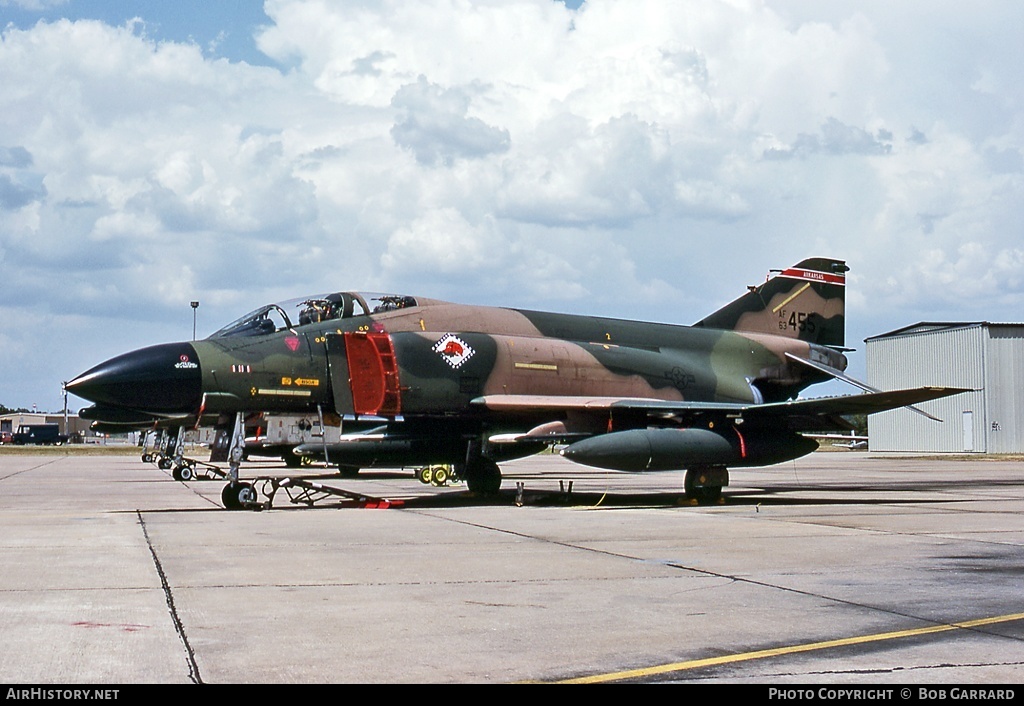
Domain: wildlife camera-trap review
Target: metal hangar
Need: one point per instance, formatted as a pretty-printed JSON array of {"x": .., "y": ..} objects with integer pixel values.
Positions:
[{"x": 985, "y": 357}]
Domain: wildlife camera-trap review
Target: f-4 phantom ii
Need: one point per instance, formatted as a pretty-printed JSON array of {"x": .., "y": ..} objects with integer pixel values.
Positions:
[{"x": 432, "y": 382}]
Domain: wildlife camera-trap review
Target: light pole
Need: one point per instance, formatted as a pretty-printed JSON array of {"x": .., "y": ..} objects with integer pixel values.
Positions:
[{"x": 195, "y": 305}]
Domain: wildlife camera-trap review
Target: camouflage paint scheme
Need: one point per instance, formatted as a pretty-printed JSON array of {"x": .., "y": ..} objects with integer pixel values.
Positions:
[{"x": 472, "y": 385}]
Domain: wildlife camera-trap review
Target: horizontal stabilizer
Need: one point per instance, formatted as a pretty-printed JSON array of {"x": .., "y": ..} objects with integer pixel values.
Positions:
[{"x": 832, "y": 372}]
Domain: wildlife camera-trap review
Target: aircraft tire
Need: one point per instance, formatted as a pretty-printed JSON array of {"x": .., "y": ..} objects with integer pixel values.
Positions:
[
  {"x": 701, "y": 494},
  {"x": 235, "y": 495},
  {"x": 347, "y": 471},
  {"x": 186, "y": 472},
  {"x": 425, "y": 475},
  {"x": 440, "y": 476},
  {"x": 710, "y": 495},
  {"x": 165, "y": 464},
  {"x": 484, "y": 478}
]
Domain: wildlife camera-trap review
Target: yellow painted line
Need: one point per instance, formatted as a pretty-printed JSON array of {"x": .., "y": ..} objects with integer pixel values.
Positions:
[
  {"x": 791, "y": 297},
  {"x": 794, "y": 649}
]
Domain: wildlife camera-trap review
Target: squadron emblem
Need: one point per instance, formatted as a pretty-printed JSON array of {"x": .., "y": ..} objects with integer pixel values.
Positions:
[{"x": 453, "y": 350}]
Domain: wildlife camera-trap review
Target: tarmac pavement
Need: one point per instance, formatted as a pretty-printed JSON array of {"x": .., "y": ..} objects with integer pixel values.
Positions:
[{"x": 839, "y": 568}]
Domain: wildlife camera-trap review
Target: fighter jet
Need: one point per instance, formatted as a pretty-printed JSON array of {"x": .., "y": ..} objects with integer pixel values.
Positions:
[{"x": 434, "y": 382}]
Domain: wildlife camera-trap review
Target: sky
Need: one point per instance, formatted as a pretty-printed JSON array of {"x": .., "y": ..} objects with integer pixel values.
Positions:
[{"x": 631, "y": 158}]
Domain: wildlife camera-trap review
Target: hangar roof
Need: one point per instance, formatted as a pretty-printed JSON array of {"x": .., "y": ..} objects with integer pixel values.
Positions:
[{"x": 935, "y": 326}]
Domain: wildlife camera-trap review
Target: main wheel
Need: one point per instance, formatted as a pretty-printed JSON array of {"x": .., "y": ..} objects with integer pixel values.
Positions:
[
  {"x": 483, "y": 477},
  {"x": 347, "y": 471},
  {"x": 703, "y": 494}
]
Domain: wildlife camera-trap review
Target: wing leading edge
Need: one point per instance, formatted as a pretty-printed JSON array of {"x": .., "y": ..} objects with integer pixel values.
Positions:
[{"x": 823, "y": 408}]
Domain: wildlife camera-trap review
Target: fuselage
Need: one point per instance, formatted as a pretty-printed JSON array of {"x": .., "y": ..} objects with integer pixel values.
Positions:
[{"x": 412, "y": 358}]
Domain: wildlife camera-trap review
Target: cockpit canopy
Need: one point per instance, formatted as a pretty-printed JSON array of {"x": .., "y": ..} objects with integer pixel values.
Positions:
[{"x": 304, "y": 311}]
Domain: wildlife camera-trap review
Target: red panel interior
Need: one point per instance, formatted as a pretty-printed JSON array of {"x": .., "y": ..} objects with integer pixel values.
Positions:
[{"x": 373, "y": 374}]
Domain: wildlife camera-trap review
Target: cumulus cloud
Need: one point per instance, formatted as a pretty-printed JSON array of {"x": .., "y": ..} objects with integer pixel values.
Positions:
[
  {"x": 609, "y": 173},
  {"x": 436, "y": 128},
  {"x": 634, "y": 156},
  {"x": 444, "y": 242},
  {"x": 835, "y": 138}
]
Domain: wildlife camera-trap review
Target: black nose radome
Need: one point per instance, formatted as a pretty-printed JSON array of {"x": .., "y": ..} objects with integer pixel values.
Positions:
[{"x": 162, "y": 379}]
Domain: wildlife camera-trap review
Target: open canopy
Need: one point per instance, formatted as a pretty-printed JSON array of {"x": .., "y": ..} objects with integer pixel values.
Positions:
[{"x": 303, "y": 311}]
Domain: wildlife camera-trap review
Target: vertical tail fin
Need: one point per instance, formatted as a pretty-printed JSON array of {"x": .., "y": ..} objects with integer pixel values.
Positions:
[{"x": 806, "y": 301}]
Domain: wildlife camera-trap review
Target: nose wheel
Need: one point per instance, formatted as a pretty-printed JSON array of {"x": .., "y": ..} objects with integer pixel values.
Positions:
[{"x": 236, "y": 496}]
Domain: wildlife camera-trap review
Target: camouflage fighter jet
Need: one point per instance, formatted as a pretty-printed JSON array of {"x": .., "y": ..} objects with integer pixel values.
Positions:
[{"x": 443, "y": 383}]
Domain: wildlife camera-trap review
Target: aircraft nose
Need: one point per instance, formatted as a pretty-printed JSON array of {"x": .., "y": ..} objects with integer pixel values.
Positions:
[{"x": 163, "y": 379}]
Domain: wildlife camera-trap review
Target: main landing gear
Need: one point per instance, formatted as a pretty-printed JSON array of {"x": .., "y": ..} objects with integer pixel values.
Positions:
[
  {"x": 703, "y": 484},
  {"x": 169, "y": 455},
  {"x": 481, "y": 473}
]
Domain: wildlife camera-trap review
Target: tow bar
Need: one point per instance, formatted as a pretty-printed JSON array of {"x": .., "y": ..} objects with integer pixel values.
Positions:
[{"x": 308, "y": 493}]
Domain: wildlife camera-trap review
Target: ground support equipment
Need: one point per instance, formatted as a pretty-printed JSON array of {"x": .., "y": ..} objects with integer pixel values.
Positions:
[{"x": 306, "y": 492}]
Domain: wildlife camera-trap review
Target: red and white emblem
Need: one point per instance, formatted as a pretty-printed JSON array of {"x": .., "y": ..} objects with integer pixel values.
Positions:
[{"x": 453, "y": 350}]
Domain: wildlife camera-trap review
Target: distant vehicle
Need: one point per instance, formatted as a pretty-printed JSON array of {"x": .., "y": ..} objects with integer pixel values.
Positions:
[
  {"x": 850, "y": 441},
  {"x": 39, "y": 434},
  {"x": 6, "y": 437}
]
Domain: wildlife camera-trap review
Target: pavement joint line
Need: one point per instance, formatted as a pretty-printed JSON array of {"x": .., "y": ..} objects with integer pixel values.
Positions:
[
  {"x": 27, "y": 470},
  {"x": 193, "y": 666}
]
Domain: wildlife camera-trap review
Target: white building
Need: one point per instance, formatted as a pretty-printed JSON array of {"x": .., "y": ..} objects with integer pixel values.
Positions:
[{"x": 985, "y": 357}]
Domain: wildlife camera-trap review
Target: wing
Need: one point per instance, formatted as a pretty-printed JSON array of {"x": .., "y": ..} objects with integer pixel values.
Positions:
[
  {"x": 815, "y": 414},
  {"x": 638, "y": 434}
]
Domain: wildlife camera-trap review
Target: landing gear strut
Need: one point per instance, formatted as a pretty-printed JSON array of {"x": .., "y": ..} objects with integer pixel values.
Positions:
[{"x": 237, "y": 495}]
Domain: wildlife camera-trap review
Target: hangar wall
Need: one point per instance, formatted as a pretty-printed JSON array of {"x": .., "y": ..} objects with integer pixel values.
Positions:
[
  {"x": 987, "y": 358},
  {"x": 1005, "y": 381}
]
